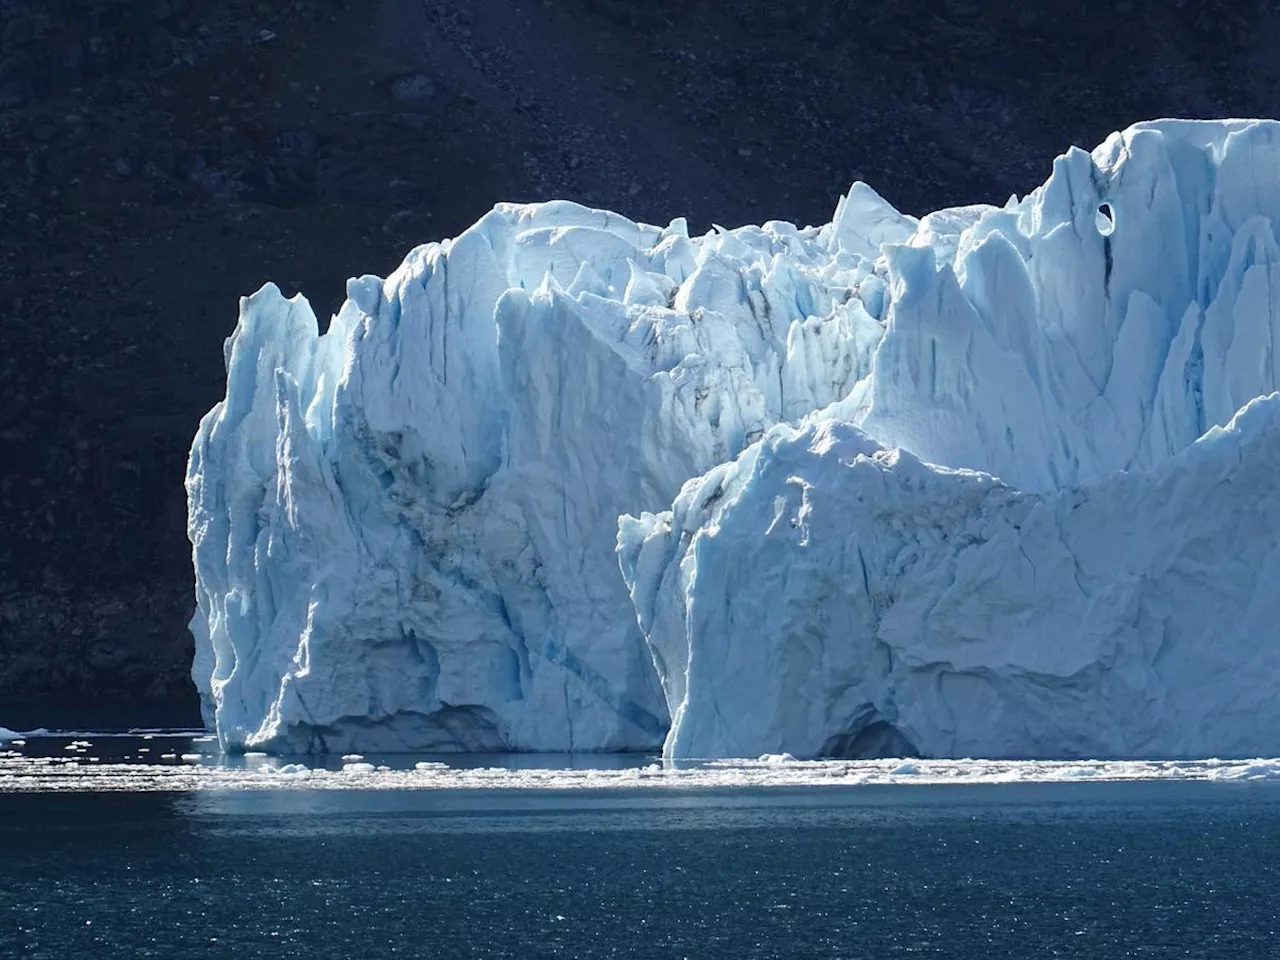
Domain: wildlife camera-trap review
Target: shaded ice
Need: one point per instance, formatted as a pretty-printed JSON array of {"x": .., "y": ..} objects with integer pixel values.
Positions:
[
  {"x": 403, "y": 529},
  {"x": 1046, "y": 522}
]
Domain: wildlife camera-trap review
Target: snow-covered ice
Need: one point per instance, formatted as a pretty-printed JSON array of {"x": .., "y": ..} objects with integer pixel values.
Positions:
[{"x": 993, "y": 481}]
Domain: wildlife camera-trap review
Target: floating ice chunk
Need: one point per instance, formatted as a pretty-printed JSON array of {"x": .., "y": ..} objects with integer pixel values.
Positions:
[
  {"x": 1081, "y": 772},
  {"x": 25, "y": 774},
  {"x": 358, "y": 769},
  {"x": 1256, "y": 770},
  {"x": 7, "y": 734}
]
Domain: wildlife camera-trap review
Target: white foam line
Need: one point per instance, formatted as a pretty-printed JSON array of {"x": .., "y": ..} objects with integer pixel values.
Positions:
[
  {"x": 31, "y": 774},
  {"x": 44, "y": 733},
  {"x": 142, "y": 734}
]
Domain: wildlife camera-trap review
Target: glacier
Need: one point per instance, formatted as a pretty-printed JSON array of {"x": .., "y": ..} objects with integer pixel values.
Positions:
[
  {"x": 991, "y": 482},
  {"x": 403, "y": 529}
]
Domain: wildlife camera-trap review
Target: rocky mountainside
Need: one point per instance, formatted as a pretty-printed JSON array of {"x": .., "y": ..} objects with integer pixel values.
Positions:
[{"x": 163, "y": 157}]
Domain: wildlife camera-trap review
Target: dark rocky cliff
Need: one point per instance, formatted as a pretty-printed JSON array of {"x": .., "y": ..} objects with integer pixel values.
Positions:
[{"x": 160, "y": 158}]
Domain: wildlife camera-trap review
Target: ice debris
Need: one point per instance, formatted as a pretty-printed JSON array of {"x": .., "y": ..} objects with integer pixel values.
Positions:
[{"x": 19, "y": 774}]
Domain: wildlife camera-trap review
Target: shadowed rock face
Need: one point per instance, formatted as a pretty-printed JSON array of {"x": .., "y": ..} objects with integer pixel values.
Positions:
[{"x": 171, "y": 156}]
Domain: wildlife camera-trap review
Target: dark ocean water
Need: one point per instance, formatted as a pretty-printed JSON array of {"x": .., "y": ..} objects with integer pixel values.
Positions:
[{"x": 1019, "y": 871}]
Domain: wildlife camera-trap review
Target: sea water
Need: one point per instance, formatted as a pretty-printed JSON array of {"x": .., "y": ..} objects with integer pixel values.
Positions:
[{"x": 631, "y": 861}]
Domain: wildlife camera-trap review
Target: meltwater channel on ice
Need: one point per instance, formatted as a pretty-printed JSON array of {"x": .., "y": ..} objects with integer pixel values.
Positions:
[{"x": 997, "y": 482}]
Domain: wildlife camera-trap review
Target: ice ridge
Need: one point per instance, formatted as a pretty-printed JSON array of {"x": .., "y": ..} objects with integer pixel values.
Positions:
[{"x": 404, "y": 528}]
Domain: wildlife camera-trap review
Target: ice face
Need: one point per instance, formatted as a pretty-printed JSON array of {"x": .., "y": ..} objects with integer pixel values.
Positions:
[
  {"x": 404, "y": 529},
  {"x": 829, "y": 596},
  {"x": 1114, "y": 592},
  {"x": 1103, "y": 323}
]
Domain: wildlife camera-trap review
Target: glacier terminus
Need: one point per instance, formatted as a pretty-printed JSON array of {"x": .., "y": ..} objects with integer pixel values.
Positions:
[{"x": 999, "y": 481}]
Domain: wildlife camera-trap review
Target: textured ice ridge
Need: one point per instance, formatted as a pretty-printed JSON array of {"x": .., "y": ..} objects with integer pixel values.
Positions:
[
  {"x": 827, "y": 596},
  {"x": 1116, "y": 592},
  {"x": 404, "y": 529}
]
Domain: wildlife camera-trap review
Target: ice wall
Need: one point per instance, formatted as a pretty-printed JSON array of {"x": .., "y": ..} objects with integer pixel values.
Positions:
[
  {"x": 1114, "y": 592},
  {"x": 404, "y": 529},
  {"x": 824, "y": 595}
]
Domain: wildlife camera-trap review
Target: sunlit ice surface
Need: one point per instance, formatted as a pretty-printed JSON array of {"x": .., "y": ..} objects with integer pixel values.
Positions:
[{"x": 185, "y": 760}]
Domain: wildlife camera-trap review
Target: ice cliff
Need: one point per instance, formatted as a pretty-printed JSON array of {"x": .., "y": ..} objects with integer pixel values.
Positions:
[
  {"x": 404, "y": 529},
  {"x": 889, "y": 606},
  {"x": 992, "y": 482}
]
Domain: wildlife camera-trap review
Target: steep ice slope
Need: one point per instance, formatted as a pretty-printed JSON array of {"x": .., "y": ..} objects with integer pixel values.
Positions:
[
  {"x": 404, "y": 529},
  {"x": 1103, "y": 323},
  {"x": 824, "y": 594}
]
